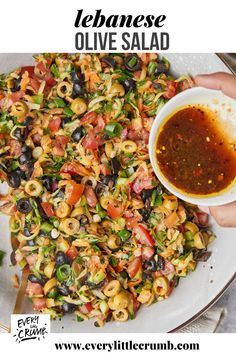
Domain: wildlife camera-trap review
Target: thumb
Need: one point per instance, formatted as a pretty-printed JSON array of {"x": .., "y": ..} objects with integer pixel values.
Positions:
[
  {"x": 225, "y": 215},
  {"x": 218, "y": 81}
]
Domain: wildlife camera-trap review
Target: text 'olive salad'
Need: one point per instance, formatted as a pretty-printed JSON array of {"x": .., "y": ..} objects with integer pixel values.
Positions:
[{"x": 98, "y": 232}]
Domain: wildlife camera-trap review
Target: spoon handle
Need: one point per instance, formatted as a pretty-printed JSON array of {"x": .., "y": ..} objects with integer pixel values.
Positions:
[{"x": 21, "y": 292}]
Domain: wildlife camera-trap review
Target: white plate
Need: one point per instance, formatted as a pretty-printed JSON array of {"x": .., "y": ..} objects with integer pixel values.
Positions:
[{"x": 193, "y": 295}]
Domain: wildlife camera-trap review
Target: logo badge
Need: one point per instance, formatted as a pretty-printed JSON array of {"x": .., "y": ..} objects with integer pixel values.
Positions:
[{"x": 29, "y": 327}]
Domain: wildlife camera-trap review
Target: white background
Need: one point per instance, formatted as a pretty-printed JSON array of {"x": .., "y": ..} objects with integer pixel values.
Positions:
[
  {"x": 208, "y": 343},
  {"x": 194, "y": 26}
]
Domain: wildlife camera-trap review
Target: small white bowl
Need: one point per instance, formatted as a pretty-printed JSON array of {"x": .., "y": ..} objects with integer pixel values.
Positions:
[{"x": 225, "y": 107}]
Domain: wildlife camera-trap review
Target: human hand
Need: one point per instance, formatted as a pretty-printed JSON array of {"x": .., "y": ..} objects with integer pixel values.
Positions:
[{"x": 225, "y": 215}]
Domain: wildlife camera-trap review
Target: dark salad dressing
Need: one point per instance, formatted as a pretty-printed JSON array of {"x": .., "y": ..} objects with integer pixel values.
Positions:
[{"x": 193, "y": 152}]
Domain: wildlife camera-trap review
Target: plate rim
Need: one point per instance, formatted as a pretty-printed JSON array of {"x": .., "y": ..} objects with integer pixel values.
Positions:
[
  {"x": 205, "y": 308},
  {"x": 231, "y": 280}
]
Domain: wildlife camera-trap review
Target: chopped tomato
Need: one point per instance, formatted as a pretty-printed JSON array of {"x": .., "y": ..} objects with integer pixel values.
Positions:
[
  {"x": 15, "y": 147},
  {"x": 100, "y": 124},
  {"x": 59, "y": 145},
  {"x": 48, "y": 209},
  {"x": 168, "y": 268},
  {"x": 16, "y": 96},
  {"x": 201, "y": 218},
  {"x": 41, "y": 67},
  {"x": 32, "y": 258},
  {"x": 39, "y": 303},
  {"x": 114, "y": 210},
  {"x": 62, "y": 139},
  {"x": 50, "y": 81},
  {"x": 135, "y": 303},
  {"x": 131, "y": 220},
  {"x": 138, "y": 134},
  {"x": 137, "y": 75},
  {"x": 86, "y": 308},
  {"x": 105, "y": 169},
  {"x": 172, "y": 88},
  {"x": 143, "y": 235},
  {"x": 73, "y": 192},
  {"x": 54, "y": 124},
  {"x": 119, "y": 267},
  {"x": 74, "y": 168},
  {"x": 181, "y": 228},
  {"x": 147, "y": 252},
  {"x": 142, "y": 183},
  {"x": 35, "y": 84},
  {"x": 134, "y": 267},
  {"x": 92, "y": 141},
  {"x": 72, "y": 253},
  {"x": 90, "y": 196},
  {"x": 29, "y": 69},
  {"x": 46, "y": 74},
  {"x": 88, "y": 118},
  {"x": 34, "y": 289}
]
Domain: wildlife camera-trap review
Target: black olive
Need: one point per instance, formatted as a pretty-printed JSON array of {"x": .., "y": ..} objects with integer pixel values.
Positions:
[
  {"x": 21, "y": 134},
  {"x": 161, "y": 68},
  {"x": 47, "y": 182},
  {"x": 64, "y": 290},
  {"x": 33, "y": 279},
  {"x": 28, "y": 122},
  {"x": 25, "y": 157},
  {"x": 29, "y": 170},
  {"x": 106, "y": 137},
  {"x": 65, "y": 121},
  {"x": 26, "y": 231},
  {"x": 159, "y": 189},
  {"x": 129, "y": 84},
  {"x": 150, "y": 265},
  {"x": 109, "y": 317},
  {"x": 109, "y": 180},
  {"x": 160, "y": 263},
  {"x": 77, "y": 77},
  {"x": 13, "y": 258},
  {"x": 78, "y": 90},
  {"x": 23, "y": 206},
  {"x": 77, "y": 134},
  {"x": 201, "y": 255},
  {"x": 16, "y": 86},
  {"x": 146, "y": 194},
  {"x": 109, "y": 61},
  {"x": 132, "y": 62},
  {"x": 156, "y": 85},
  {"x": 27, "y": 149},
  {"x": 61, "y": 258},
  {"x": 30, "y": 243},
  {"x": 147, "y": 275},
  {"x": 14, "y": 179},
  {"x": 145, "y": 214},
  {"x": 4, "y": 154},
  {"x": 84, "y": 220},
  {"x": 61, "y": 193},
  {"x": 68, "y": 308},
  {"x": 41, "y": 211},
  {"x": 100, "y": 189},
  {"x": 115, "y": 165},
  {"x": 95, "y": 286},
  {"x": 3, "y": 168}
]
